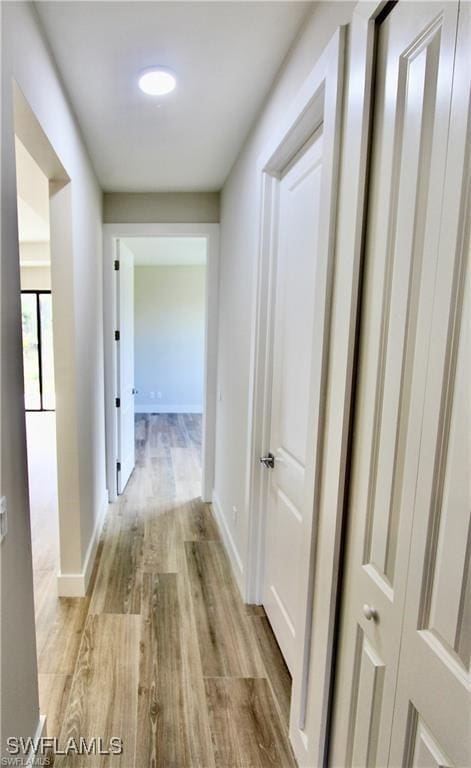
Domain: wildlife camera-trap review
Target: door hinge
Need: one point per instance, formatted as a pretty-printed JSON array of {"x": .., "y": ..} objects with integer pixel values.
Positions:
[
  {"x": 116, "y": 265},
  {"x": 118, "y": 466},
  {"x": 117, "y": 402},
  {"x": 116, "y": 335}
]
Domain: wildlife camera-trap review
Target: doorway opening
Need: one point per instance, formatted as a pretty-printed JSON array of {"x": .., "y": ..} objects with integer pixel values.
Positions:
[
  {"x": 46, "y": 300},
  {"x": 38, "y": 364},
  {"x": 160, "y": 344},
  {"x": 39, "y": 392},
  {"x": 161, "y": 307}
]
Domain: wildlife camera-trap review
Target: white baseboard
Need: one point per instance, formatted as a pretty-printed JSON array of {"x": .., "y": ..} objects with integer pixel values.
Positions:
[
  {"x": 41, "y": 731},
  {"x": 76, "y": 584},
  {"x": 168, "y": 408},
  {"x": 229, "y": 543}
]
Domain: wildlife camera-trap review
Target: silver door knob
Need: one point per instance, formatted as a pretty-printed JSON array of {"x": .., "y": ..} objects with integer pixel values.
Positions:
[
  {"x": 369, "y": 612},
  {"x": 268, "y": 461}
]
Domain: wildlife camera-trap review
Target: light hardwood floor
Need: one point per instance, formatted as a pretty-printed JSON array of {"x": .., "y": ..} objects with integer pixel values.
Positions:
[{"x": 163, "y": 653}]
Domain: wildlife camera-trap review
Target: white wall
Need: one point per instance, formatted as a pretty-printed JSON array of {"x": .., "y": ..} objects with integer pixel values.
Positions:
[
  {"x": 35, "y": 252},
  {"x": 169, "y": 323},
  {"x": 36, "y": 275},
  {"x": 26, "y": 59},
  {"x": 240, "y": 205},
  {"x": 35, "y": 278},
  {"x": 161, "y": 207}
]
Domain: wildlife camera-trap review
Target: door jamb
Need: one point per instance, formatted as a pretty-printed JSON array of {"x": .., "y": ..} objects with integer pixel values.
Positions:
[
  {"x": 310, "y": 706},
  {"x": 111, "y": 234}
]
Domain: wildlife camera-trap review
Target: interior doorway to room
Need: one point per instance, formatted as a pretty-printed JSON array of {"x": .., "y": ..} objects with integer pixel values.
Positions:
[
  {"x": 161, "y": 347},
  {"x": 38, "y": 367}
]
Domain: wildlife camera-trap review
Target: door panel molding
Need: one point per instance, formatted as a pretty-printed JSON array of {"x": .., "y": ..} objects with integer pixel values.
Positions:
[
  {"x": 369, "y": 673},
  {"x": 422, "y": 748}
]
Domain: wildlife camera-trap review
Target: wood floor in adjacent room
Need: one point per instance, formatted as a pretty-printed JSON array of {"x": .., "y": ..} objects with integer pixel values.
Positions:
[{"x": 163, "y": 653}]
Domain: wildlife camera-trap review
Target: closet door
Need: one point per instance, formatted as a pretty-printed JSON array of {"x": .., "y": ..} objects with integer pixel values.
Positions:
[
  {"x": 432, "y": 721},
  {"x": 416, "y": 45}
]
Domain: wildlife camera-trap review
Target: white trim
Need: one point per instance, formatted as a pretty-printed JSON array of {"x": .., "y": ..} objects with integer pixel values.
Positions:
[
  {"x": 31, "y": 263},
  {"x": 228, "y": 541},
  {"x": 41, "y": 732},
  {"x": 168, "y": 408},
  {"x": 318, "y": 103},
  {"x": 112, "y": 232},
  {"x": 76, "y": 584}
]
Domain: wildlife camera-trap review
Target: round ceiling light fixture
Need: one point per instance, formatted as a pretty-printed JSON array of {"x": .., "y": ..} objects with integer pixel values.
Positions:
[{"x": 157, "y": 81}]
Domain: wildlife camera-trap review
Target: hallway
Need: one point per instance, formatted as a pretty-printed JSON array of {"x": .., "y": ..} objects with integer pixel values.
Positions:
[
  {"x": 265, "y": 561},
  {"x": 170, "y": 660}
]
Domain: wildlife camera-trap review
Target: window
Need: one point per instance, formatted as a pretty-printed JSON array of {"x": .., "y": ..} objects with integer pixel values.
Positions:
[{"x": 38, "y": 357}]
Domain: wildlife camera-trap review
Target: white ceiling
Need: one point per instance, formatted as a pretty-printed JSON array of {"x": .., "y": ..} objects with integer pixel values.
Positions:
[
  {"x": 225, "y": 55},
  {"x": 167, "y": 251}
]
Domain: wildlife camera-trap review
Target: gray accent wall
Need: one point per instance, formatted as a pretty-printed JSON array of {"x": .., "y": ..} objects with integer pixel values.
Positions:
[{"x": 161, "y": 208}]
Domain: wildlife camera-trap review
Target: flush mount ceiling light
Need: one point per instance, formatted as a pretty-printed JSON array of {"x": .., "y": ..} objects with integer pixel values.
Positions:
[{"x": 157, "y": 81}]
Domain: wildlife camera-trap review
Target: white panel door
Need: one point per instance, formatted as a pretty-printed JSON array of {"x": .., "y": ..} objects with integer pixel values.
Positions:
[
  {"x": 432, "y": 719},
  {"x": 416, "y": 44},
  {"x": 125, "y": 357},
  {"x": 299, "y": 192},
  {"x": 433, "y": 699}
]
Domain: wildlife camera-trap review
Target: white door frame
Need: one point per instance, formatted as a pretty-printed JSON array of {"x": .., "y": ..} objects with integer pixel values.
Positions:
[
  {"x": 317, "y": 107},
  {"x": 318, "y": 102},
  {"x": 111, "y": 234}
]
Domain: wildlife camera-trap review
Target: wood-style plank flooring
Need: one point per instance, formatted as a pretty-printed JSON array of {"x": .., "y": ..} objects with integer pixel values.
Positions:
[{"x": 162, "y": 652}]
